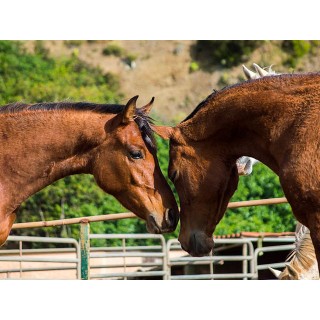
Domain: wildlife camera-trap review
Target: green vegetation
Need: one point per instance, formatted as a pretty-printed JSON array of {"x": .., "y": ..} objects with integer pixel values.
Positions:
[
  {"x": 298, "y": 49},
  {"x": 38, "y": 77},
  {"x": 226, "y": 53},
  {"x": 117, "y": 51},
  {"x": 113, "y": 50},
  {"x": 194, "y": 66},
  {"x": 73, "y": 43},
  {"x": 261, "y": 184}
]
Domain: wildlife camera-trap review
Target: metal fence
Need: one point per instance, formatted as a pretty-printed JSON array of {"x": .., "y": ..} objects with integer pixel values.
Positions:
[
  {"x": 246, "y": 257},
  {"x": 155, "y": 261},
  {"x": 129, "y": 261},
  {"x": 21, "y": 262},
  {"x": 133, "y": 257}
]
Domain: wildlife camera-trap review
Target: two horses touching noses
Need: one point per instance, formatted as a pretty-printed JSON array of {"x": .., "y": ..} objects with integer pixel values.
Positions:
[
  {"x": 274, "y": 119},
  {"x": 44, "y": 142}
]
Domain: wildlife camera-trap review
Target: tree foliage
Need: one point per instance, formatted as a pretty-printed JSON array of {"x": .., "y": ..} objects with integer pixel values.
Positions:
[
  {"x": 261, "y": 184},
  {"x": 225, "y": 53}
]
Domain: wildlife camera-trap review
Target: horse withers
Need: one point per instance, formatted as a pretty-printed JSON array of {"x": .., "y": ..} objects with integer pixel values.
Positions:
[
  {"x": 274, "y": 119},
  {"x": 44, "y": 142}
]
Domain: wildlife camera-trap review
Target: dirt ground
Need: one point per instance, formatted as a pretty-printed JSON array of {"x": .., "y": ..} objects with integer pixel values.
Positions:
[{"x": 161, "y": 69}]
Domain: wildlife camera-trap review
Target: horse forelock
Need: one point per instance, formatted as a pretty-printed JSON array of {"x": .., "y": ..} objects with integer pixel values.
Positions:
[
  {"x": 144, "y": 123},
  {"x": 141, "y": 118}
]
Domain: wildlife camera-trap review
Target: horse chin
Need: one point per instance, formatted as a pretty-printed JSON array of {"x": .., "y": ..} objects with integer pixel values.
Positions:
[{"x": 199, "y": 244}]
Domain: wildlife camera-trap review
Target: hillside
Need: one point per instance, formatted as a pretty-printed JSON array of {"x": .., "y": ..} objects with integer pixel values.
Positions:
[{"x": 164, "y": 69}]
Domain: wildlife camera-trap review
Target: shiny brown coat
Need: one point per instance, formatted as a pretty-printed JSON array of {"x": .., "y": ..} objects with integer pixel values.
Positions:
[
  {"x": 42, "y": 143},
  {"x": 274, "y": 119}
]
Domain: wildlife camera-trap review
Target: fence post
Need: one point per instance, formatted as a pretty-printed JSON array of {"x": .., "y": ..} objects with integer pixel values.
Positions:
[{"x": 85, "y": 249}]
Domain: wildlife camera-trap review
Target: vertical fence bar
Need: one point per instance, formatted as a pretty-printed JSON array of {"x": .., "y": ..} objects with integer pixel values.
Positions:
[
  {"x": 245, "y": 262},
  {"x": 211, "y": 265},
  {"x": 20, "y": 254},
  {"x": 85, "y": 249},
  {"x": 124, "y": 258}
]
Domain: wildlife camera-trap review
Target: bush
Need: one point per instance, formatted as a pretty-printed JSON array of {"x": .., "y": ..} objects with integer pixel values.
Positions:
[
  {"x": 113, "y": 50},
  {"x": 298, "y": 49},
  {"x": 37, "y": 78},
  {"x": 226, "y": 53},
  {"x": 261, "y": 184}
]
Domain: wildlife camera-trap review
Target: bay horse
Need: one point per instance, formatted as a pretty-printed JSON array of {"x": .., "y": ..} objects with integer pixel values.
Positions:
[
  {"x": 301, "y": 263},
  {"x": 274, "y": 119},
  {"x": 44, "y": 142},
  {"x": 245, "y": 164}
]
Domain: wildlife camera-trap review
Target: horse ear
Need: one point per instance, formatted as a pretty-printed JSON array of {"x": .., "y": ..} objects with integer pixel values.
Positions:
[
  {"x": 163, "y": 131},
  {"x": 275, "y": 272},
  {"x": 248, "y": 73},
  {"x": 147, "y": 108},
  {"x": 261, "y": 71},
  {"x": 129, "y": 110}
]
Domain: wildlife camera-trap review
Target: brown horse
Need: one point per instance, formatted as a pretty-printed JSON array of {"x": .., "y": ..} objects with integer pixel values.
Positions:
[
  {"x": 44, "y": 142},
  {"x": 301, "y": 263},
  {"x": 274, "y": 119}
]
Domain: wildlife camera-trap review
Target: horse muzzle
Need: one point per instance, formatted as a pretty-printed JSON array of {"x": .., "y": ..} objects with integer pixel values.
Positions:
[
  {"x": 199, "y": 244},
  {"x": 167, "y": 223}
]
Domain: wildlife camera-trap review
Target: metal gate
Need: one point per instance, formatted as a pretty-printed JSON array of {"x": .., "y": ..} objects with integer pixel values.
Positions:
[
  {"x": 246, "y": 257},
  {"x": 132, "y": 258},
  {"x": 42, "y": 261}
]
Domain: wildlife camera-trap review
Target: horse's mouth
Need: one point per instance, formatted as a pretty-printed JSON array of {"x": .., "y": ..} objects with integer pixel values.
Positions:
[
  {"x": 152, "y": 225},
  {"x": 167, "y": 223}
]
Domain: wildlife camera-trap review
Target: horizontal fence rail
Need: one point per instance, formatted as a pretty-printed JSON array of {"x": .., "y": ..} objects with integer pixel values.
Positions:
[
  {"x": 126, "y": 215},
  {"x": 32, "y": 255},
  {"x": 246, "y": 257},
  {"x": 155, "y": 260}
]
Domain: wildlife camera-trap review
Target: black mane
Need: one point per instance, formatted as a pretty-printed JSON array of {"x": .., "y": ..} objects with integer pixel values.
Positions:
[
  {"x": 49, "y": 106},
  {"x": 143, "y": 121},
  {"x": 200, "y": 105}
]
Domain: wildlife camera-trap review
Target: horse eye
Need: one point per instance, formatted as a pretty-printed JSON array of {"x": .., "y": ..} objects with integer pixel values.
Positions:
[{"x": 135, "y": 154}]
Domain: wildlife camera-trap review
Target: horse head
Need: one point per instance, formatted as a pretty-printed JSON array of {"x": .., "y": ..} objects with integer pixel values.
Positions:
[
  {"x": 126, "y": 166},
  {"x": 203, "y": 197}
]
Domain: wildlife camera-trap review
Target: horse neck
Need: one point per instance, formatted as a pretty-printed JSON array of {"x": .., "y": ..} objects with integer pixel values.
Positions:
[
  {"x": 43, "y": 146},
  {"x": 250, "y": 118}
]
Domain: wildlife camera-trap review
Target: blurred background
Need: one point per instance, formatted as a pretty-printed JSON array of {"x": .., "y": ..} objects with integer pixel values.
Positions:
[{"x": 179, "y": 74}]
